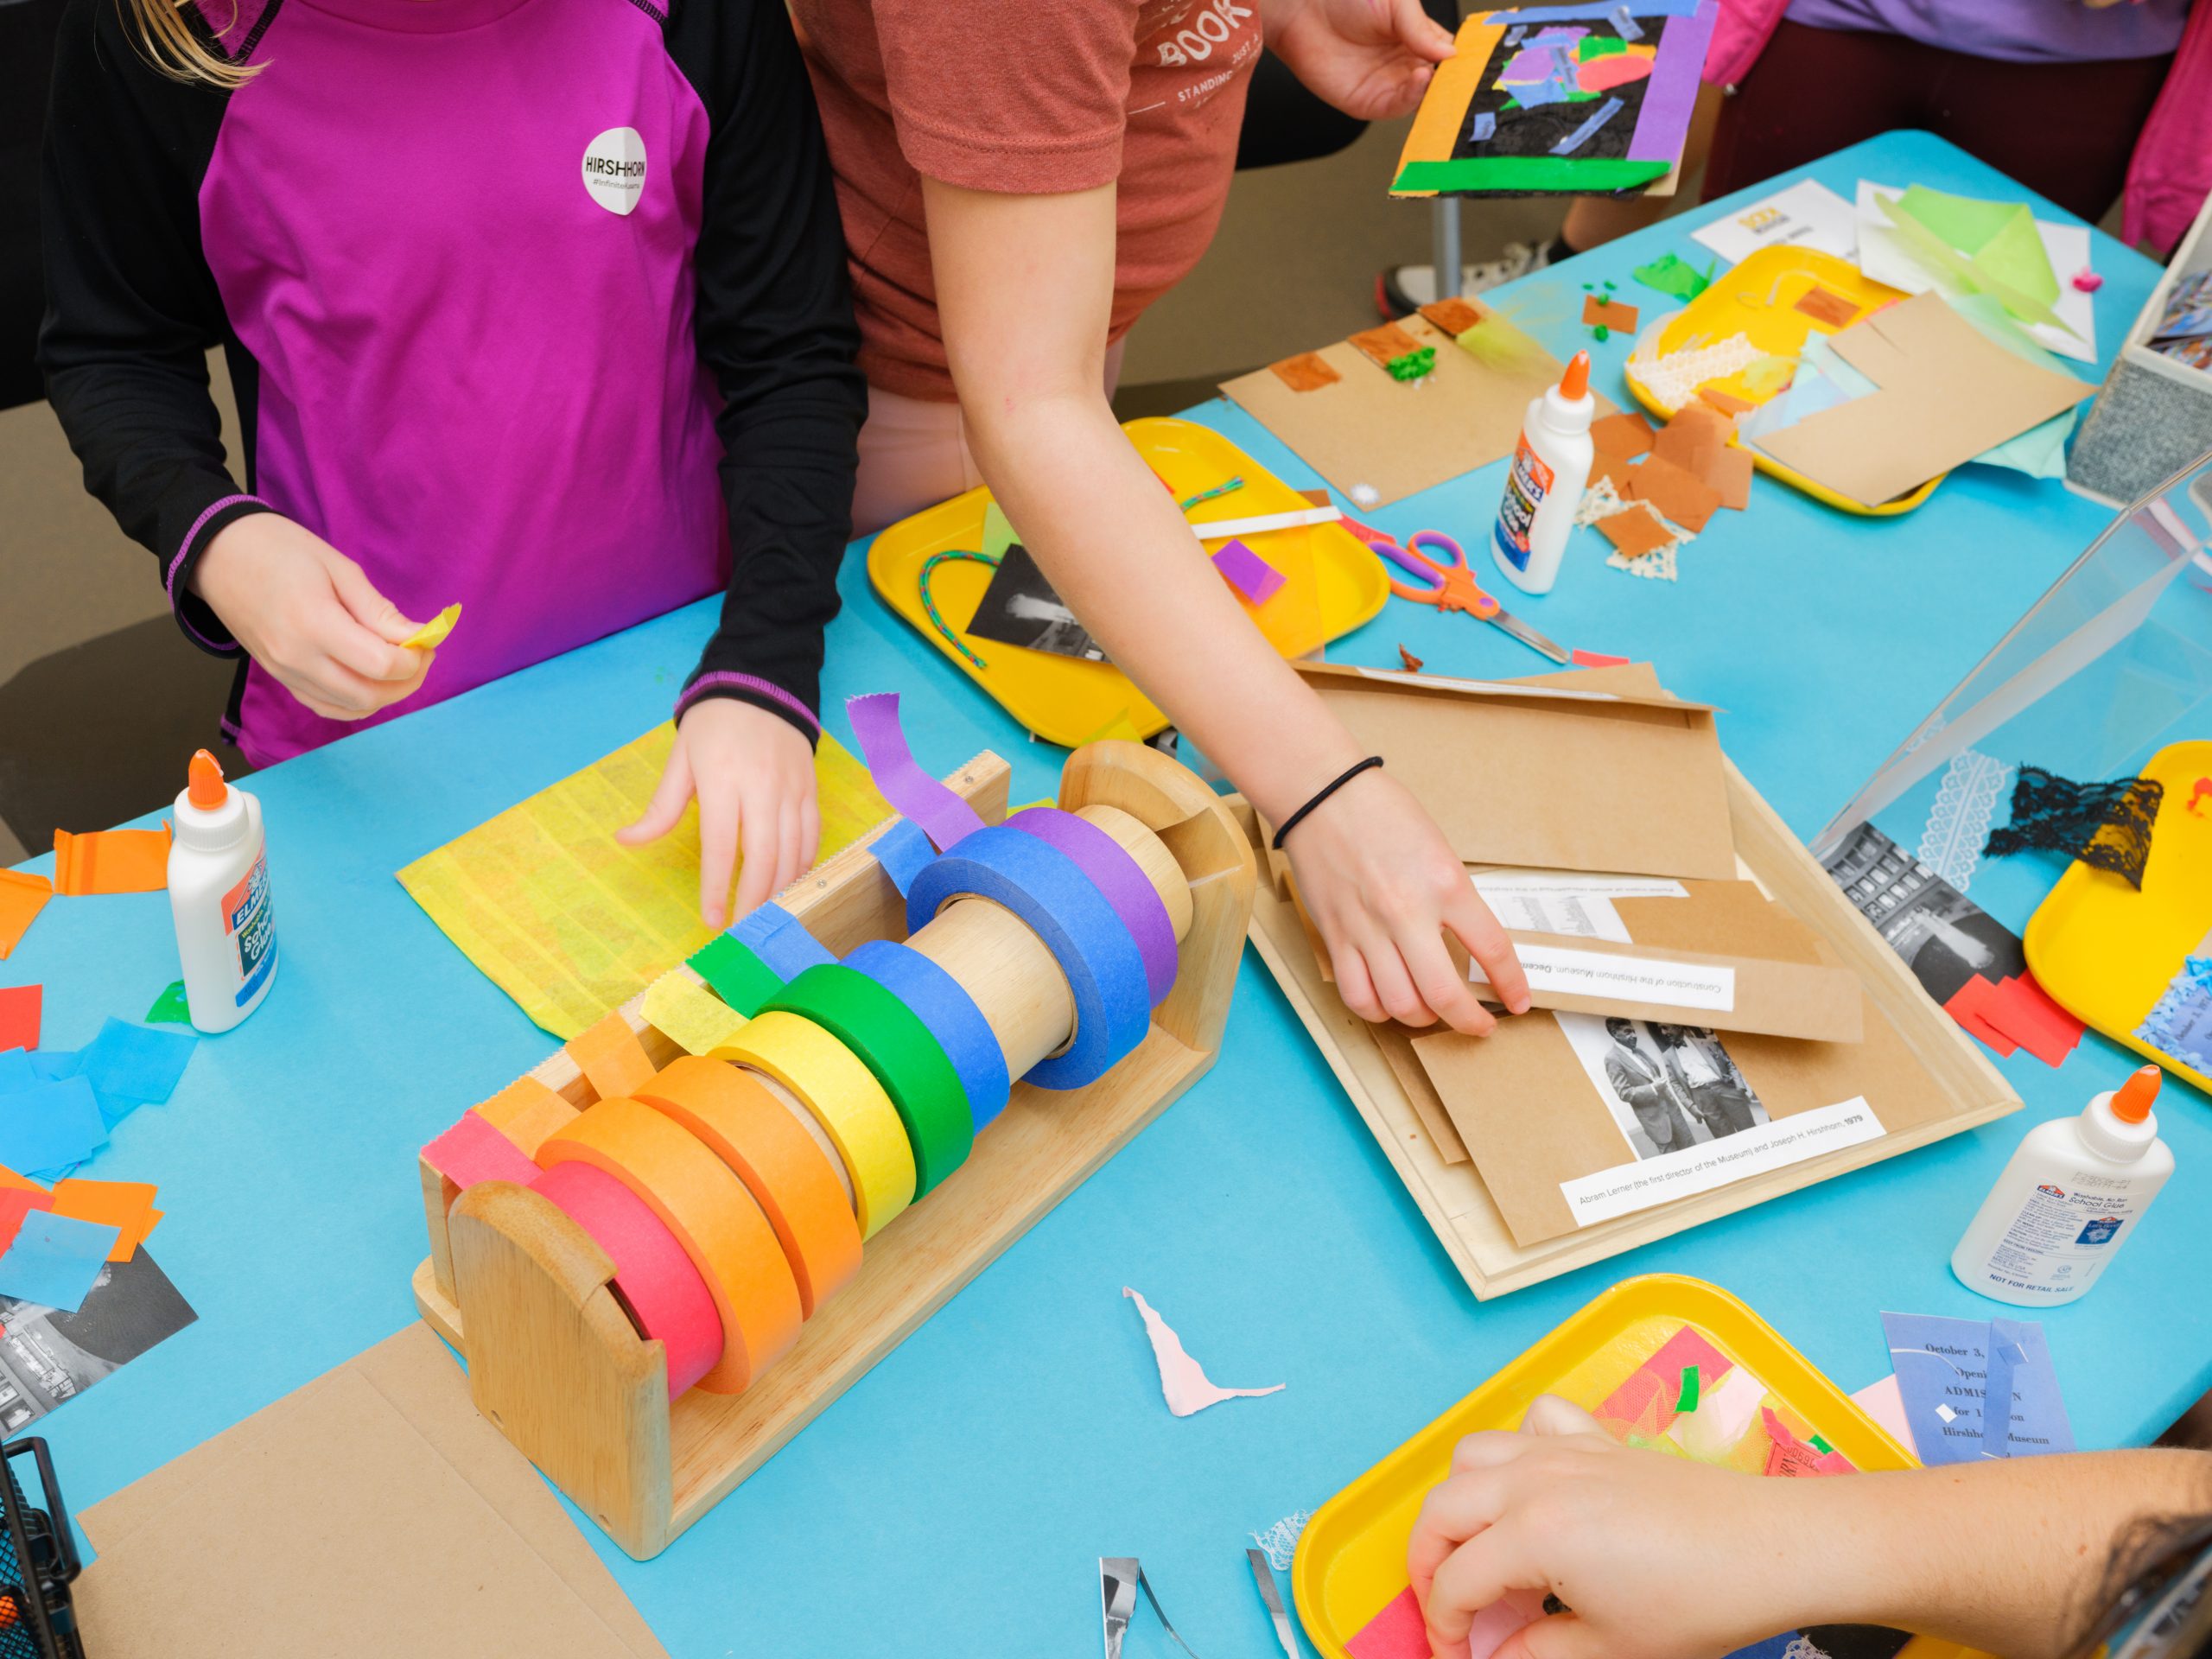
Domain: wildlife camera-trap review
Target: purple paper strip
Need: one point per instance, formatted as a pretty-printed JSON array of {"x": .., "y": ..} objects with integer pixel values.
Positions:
[
  {"x": 1671, "y": 92},
  {"x": 1118, "y": 876},
  {"x": 943, "y": 817},
  {"x": 1248, "y": 573}
]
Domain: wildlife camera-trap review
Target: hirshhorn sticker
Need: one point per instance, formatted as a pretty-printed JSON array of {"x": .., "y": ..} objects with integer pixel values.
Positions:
[{"x": 614, "y": 169}]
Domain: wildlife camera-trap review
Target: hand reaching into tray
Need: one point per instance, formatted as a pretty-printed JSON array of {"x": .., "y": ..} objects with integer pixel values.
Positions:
[{"x": 1657, "y": 1557}]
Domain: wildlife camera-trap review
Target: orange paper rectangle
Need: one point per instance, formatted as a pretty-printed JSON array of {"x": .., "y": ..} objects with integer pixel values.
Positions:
[
  {"x": 1636, "y": 531},
  {"x": 1384, "y": 344},
  {"x": 1454, "y": 316},
  {"x": 1307, "y": 372},
  {"x": 1825, "y": 306},
  {"x": 127, "y": 1206},
  {"x": 526, "y": 1111},
  {"x": 111, "y": 861},
  {"x": 1599, "y": 312},
  {"x": 23, "y": 895},
  {"x": 1731, "y": 474}
]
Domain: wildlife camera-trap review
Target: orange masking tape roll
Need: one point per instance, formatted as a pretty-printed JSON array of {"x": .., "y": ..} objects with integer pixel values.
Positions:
[
  {"x": 780, "y": 1163},
  {"x": 833, "y": 1085},
  {"x": 700, "y": 1199}
]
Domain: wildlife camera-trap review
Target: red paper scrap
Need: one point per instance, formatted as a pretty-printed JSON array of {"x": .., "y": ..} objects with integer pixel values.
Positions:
[
  {"x": 19, "y": 1012},
  {"x": 1582, "y": 659},
  {"x": 1658, "y": 1381},
  {"x": 1398, "y": 1633},
  {"x": 1788, "y": 1455},
  {"x": 473, "y": 1151},
  {"x": 1970, "y": 1005},
  {"x": 2023, "y": 1012},
  {"x": 16, "y": 1202}
]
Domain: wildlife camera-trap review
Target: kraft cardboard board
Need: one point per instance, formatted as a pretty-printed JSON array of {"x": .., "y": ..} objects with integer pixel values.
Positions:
[
  {"x": 1537, "y": 772},
  {"x": 1397, "y": 1042},
  {"x": 377, "y": 1474},
  {"x": 1531, "y": 1118},
  {"x": 1401, "y": 437},
  {"x": 1945, "y": 393}
]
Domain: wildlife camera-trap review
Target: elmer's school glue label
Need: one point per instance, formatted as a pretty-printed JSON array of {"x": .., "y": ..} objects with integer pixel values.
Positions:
[
  {"x": 1551, "y": 467},
  {"x": 219, "y": 897}
]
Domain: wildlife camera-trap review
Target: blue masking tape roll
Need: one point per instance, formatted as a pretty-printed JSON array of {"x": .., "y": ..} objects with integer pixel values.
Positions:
[
  {"x": 939, "y": 1001},
  {"x": 902, "y": 850},
  {"x": 780, "y": 940},
  {"x": 1062, "y": 906}
]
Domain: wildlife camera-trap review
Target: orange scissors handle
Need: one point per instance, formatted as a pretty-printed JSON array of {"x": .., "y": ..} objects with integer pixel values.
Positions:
[{"x": 1457, "y": 588}]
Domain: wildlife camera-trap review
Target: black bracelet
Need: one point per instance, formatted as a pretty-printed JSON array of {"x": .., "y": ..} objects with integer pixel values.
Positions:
[{"x": 1326, "y": 789}]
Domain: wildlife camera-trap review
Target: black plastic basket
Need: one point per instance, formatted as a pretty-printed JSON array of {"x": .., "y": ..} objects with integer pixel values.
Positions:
[{"x": 36, "y": 1618}]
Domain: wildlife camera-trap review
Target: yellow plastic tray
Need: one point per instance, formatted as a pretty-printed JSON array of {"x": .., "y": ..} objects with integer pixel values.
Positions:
[
  {"x": 1332, "y": 584},
  {"x": 2107, "y": 952},
  {"x": 1352, "y": 1557},
  {"x": 1758, "y": 299}
]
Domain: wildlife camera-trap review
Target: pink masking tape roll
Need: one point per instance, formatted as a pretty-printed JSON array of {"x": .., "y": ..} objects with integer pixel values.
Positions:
[
  {"x": 656, "y": 1278},
  {"x": 473, "y": 1150},
  {"x": 1248, "y": 573},
  {"x": 943, "y": 817},
  {"x": 1117, "y": 875}
]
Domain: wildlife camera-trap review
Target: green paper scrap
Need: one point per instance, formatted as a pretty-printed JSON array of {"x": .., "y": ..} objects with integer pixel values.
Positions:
[
  {"x": 169, "y": 1008},
  {"x": 1590, "y": 176},
  {"x": 998, "y": 533},
  {"x": 1687, "y": 1401},
  {"x": 1675, "y": 278},
  {"x": 1415, "y": 365},
  {"x": 1820, "y": 1445},
  {"x": 2021, "y": 278}
]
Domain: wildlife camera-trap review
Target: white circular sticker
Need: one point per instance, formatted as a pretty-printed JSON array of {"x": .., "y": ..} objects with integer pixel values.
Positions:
[{"x": 614, "y": 169}]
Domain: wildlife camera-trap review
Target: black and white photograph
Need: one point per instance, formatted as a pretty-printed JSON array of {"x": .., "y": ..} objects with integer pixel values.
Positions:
[
  {"x": 1668, "y": 1087},
  {"x": 1941, "y": 934},
  {"x": 1020, "y": 608},
  {"x": 48, "y": 1357}
]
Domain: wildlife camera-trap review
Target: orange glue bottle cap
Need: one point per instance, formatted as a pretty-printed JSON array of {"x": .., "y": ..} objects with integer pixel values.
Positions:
[
  {"x": 1575, "y": 382},
  {"x": 2132, "y": 1104},
  {"x": 206, "y": 790}
]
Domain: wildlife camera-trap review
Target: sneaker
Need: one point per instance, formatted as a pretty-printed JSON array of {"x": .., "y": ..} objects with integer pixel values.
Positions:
[{"x": 1405, "y": 288}]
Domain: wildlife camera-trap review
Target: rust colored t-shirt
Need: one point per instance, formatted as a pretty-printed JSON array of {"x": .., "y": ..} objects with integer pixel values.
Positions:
[{"x": 1028, "y": 98}]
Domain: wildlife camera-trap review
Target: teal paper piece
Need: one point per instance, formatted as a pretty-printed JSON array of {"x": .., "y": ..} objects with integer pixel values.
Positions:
[
  {"x": 55, "y": 1260},
  {"x": 49, "y": 1124},
  {"x": 130, "y": 1066}
]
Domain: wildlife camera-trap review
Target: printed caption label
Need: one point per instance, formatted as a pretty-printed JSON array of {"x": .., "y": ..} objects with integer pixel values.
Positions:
[{"x": 1626, "y": 1188}]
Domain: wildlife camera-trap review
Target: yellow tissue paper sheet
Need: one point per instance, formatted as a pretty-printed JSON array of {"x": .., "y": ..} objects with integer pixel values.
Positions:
[
  {"x": 679, "y": 1005},
  {"x": 432, "y": 633},
  {"x": 568, "y": 921}
]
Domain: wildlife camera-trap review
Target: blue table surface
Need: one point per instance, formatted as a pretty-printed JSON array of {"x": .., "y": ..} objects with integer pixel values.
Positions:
[{"x": 960, "y": 1491}]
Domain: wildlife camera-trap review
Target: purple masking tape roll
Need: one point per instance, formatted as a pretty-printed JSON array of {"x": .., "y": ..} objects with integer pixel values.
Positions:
[
  {"x": 1118, "y": 876},
  {"x": 944, "y": 817}
]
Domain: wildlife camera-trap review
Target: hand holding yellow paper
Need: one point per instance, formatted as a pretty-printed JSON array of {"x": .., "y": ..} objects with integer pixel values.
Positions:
[
  {"x": 432, "y": 633},
  {"x": 569, "y": 922}
]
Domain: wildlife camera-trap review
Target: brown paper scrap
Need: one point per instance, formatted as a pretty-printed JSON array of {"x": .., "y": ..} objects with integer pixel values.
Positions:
[
  {"x": 1599, "y": 312},
  {"x": 1624, "y": 435},
  {"x": 1636, "y": 530},
  {"x": 1307, "y": 372},
  {"x": 1454, "y": 316},
  {"x": 1691, "y": 440},
  {"x": 1682, "y": 496},
  {"x": 1731, "y": 475},
  {"x": 1384, "y": 344},
  {"x": 1825, "y": 305}
]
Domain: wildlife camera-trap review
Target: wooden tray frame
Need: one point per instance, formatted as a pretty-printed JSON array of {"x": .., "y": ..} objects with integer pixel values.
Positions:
[
  {"x": 1452, "y": 1197},
  {"x": 555, "y": 1363}
]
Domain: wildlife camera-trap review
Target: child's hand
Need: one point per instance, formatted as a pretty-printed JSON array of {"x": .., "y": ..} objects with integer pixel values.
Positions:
[
  {"x": 1372, "y": 59},
  {"x": 753, "y": 775},
  {"x": 1657, "y": 1557},
  {"x": 1381, "y": 886},
  {"x": 307, "y": 614}
]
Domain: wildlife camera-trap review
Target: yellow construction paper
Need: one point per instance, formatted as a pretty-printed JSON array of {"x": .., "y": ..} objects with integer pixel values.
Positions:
[
  {"x": 569, "y": 922},
  {"x": 680, "y": 1007},
  {"x": 432, "y": 633}
]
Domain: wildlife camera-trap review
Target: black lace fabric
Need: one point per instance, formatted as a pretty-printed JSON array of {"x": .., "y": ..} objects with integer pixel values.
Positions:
[{"x": 2106, "y": 825}]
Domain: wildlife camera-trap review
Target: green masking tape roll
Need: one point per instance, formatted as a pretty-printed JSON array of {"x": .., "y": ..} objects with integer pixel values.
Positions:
[
  {"x": 737, "y": 974},
  {"x": 894, "y": 1045}
]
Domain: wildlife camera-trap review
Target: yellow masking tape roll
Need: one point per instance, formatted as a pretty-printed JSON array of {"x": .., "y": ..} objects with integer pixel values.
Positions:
[{"x": 850, "y": 1103}]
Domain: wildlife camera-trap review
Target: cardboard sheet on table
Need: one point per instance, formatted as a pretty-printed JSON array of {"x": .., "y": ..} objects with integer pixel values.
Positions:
[
  {"x": 1514, "y": 776},
  {"x": 571, "y": 923},
  {"x": 1946, "y": 393},
  {"x": 369, "y": 1513},
  {"x": 1531, "y": 1118},
  {"x": 1785, "y": 984},
  {"x": 1397, "y": 1042},
  {"x": 1401, "y": 437}
]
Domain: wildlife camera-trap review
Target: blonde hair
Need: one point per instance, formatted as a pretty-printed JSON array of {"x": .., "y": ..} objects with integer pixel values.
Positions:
[{"x": 165, "y": 39}]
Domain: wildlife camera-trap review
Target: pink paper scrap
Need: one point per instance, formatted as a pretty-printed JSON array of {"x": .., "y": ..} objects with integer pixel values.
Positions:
[
  {"x": 1248, "y": 573},
  {"x": 1181, "y": 1379}
]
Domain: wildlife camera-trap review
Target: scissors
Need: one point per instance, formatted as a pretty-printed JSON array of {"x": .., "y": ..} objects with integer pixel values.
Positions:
[{"x": 1450, "y": 587}]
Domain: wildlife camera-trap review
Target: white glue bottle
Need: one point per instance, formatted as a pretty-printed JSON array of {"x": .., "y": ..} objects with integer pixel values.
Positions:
[
  {"x": 1551, "y": 467},
  {"x": 218, "y": 893},
  {"x": 2068, "y": 1199}
]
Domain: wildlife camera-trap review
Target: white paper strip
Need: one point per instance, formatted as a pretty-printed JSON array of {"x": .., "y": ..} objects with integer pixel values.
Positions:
[
  {"x": 1579, "y": 883},
  {"x": 1585, "y": 915},
  {"x": 1216, "y": 530},
  {"x": 1708, "y": 989},
  {"x": 1627, "y": 1188}
]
